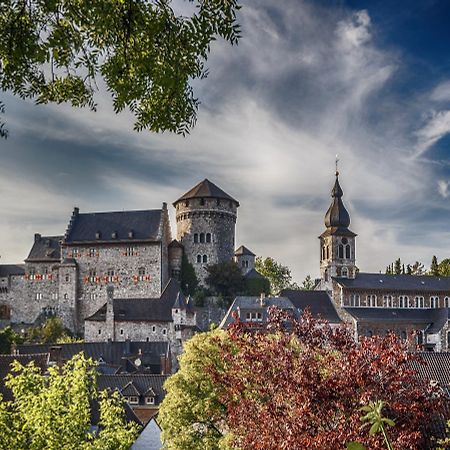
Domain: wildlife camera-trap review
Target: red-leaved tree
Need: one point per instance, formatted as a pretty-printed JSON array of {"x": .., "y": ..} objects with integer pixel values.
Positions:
[{"x": 300, "y": 384}]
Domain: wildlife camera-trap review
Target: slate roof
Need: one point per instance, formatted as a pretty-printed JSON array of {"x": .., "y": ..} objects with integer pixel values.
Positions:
[
  {"x": 11, "y": 269},
  {"x": 403, "y": 283},
  {"x": 142, "y": 309},
  {"x": 139, "y": 384},
  {"x": 249, "y": 304},
  {"x": 242, "y": 250},
  {"x": 435, "y": 367},
  {"x": 435, "y": 318},
  {"x": 337, "y": 216},
  {"x": 144, "y": 226},
  {"x": 115, "y": 356},
  {"x": 206, "y": 189},
  {"x": 318, "y": 302},
  {"x": 45, "y": 248},
  {"x": 40, "y": 360}
]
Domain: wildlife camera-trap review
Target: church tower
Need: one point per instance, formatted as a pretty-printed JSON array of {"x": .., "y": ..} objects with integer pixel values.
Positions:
[{"x": 337, "y": 242}]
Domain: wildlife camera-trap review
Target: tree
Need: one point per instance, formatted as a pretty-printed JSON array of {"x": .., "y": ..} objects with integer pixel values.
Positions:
[
  {"x": 191, "y": 415},
  {"x": 398, "y": 267},
  {"x": 308, "y": 284},
  {"x": 54, "y": 411},
  {"x": 55, "y": 51},
  {"x": 189, "y": 280},
  {"x": 256, "y": 286},
  {"x": 434, "y": 268},
  {"x": 418, "y": 269},
  {"x": 8, "y": 337},
  {"x": 278, "y": 275},
  {"x": 302, "y": 384},
  {"x": 444, "y": 268},
  {"x": 225, "y": 279}
]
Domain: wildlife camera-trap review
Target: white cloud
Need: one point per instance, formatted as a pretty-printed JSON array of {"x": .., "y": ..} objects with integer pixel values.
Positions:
[
  {"x": 436, "y": 127},
  {"x": 443, "y": 188},
  {"x": 441, "y": 93}
]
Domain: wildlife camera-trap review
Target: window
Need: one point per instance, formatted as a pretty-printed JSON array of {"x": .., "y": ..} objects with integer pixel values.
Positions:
[
  {"x": 328, "y": 252},
  {"x": 54, "y": 296},
  {"x": 326, "y": 274},
  {"x": 202, "y": 201},
  {"x": 110, "y": 275},
  {"x": 75, "y": 253},
  {"x": 403, "y": 301},
  {"x": 38, "y": 296},
  {"x": 448, "y": 339},
  {"x": 447, "y": 302},
  {"x": 344, "y": 272},
  {"x": 195, "y": 238},
  {"x": 419, "y": 302},
  {"x": 121, "y": 331},
  {"x": 147, "y": 339},
  {"x": 340, "y": 251},
  {"x": 372, "y": 300},
  {"x": 153, "y": 329},
  {"x": 347, "y": 251},
  {"x": 92, "y": 275},
  {"x": 149, "y": 400},
  {"x": 355, "y": 300},
  {"x": 199, "y": 258},
  {"x": 92, "y": 252},
  {"x": 254, "y": 316},
  {"x": 66, "y": 296},
  {"x": 208, "y": 238},
  {"x": 93, "y": 296},
  {"x": 205, "y": 259},
  {"x": 434, "y": 302},
  {"x": 134, "y": 400},
  {"x": 387, "y": 301},
  {"x": 32, "y": 274},
  {"x": 67, "y": 278},
  {"x": 202, "y": 238},
  {"x": 131, "y": 251},
  {"x": 164, "y": 331},
  {"x": 99, "y": 331},
  {"x": 141, "y": 272}
]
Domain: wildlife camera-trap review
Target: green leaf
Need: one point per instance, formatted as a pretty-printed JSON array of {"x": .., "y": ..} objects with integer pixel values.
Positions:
[
  {"x": 374, "y": 428},
  {"x": 355, "y": 446}
]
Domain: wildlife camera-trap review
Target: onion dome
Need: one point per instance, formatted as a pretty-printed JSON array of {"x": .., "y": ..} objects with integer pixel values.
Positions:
[{"x": 337, "y": 216}]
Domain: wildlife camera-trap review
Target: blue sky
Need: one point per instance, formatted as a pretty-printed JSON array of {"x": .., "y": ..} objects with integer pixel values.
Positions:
[{"x": 369, "y": 80}]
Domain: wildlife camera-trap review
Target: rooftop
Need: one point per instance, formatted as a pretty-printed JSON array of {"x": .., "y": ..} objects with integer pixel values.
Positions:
[{"x": 206, "y": 189}]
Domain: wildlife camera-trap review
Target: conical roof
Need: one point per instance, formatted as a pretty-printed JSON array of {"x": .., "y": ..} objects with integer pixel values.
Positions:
[
  {"x": 206, "y": 189},
  {"x": 337, "y": 216},
  {"x": 180, "y": 302},
  {"x": 243, "y": 251}
]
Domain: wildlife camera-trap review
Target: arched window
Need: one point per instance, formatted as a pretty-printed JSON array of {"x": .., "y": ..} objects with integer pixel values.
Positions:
[
  {"x": 447, "y": 302},
  {"x": 355, "y": 300},
  {"x": 434, "y": 302},
  {"x": 199, "y": 258},
  {"x": 202, "y": 201},
  {"x": 205, "y": 259},
  {"x": 347, "y": 251},
  {"x": 371, "y": 300},
  {"x": 326, "y": 274},
  {"x": 344, "y": 272},
  {"x": 328, "y": 252},
  {"x": 208, "y": 237},
  {"x": 419, "y": 302},
  {"x": 340, "y": 251},
  {"x": 202, "y": 238},
  {"x": 387, "y": 301},
  {"x": 195, "y": 238}
]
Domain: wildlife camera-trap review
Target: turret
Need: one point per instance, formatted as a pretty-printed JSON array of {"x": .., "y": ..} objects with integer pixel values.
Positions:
[{"x": 245, "y": 259}]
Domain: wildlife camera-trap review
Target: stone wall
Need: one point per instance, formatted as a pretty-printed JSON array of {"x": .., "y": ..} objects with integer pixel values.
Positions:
[{"x": 201, "y": 217}]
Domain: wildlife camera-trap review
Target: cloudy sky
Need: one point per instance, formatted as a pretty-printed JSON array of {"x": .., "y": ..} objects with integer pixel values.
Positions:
[{"x": 309, "y": 80}]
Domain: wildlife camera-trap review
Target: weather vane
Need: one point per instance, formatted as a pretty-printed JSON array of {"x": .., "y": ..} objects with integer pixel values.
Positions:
[{"x": 337, "y": 162}]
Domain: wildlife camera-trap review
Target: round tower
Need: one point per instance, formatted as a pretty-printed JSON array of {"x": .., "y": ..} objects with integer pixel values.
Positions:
[
  {"x": 337, "y": 242},
  {"x": 206, "y": 219}
]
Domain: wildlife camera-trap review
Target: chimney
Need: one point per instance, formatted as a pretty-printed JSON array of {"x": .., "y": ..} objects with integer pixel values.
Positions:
[
  {"x": 76, "y": 211},
  {"x": 37, "y": 237},
  {"x": 262, "y": 299},
  {"x": 164, "y": 205},
  {"x": 127, "y": 346}
]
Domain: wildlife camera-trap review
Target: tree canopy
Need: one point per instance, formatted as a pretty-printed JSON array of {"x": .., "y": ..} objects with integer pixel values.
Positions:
[
  {"x": 225, "y": 279},
  {"x": 301, "y": 384},
  {"x": 53, "y": 411},
  {"x": 278, "y": 275},
  {"x": 147, "y": 55}
]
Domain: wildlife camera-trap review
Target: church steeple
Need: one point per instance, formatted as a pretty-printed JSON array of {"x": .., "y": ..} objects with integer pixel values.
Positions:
[{"x": 337, "y": 242}]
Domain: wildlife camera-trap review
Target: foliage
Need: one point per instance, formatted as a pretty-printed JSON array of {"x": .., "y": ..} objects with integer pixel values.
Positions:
[
  {"x": 191, "y": 415},
  {"x": 303, "y": 388},
  {"x": 434, "y": 268},
  {"x": 255, "y": 286},
  {"x": 308, "y": 284},
  {"x": 54, "y": 51},
  {"x": 278, "y": 275},
  {"x": 444, "y": 268},
  {"x": 398, "y": 268},
  {"x": 225, "y": 279},
  {"x": 54, "y": 411},
  {"x": 3, "y": 130},
  {"x": 189, "y": 281},
  {"x": 53, "y": 331},
  {"x": 8, "y": 337}
]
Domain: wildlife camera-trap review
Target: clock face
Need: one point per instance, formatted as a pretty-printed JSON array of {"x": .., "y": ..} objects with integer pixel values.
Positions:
[
  {"x": 344, "y": 240},
  {"x": 137, "y": 362}
]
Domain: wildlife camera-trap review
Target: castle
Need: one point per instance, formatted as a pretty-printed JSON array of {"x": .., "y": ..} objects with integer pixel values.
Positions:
[{"x": 113, "y": 275}]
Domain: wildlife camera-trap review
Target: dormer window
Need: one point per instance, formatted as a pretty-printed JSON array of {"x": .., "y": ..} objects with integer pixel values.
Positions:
[
  {"x": 149, "y": 400},
  {"x": 131, "y": 234},
  {"x": 133, "y": 400},
  {"x": 98, "y": 235},
  {"x": 114, "y": 234}
]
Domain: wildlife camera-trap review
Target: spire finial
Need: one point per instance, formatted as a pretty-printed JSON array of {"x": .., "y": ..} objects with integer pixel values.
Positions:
[{"x": 337, "y": 162}]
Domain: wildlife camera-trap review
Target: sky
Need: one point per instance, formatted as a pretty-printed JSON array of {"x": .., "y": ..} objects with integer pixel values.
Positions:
[{"x": 367, "y": 80}]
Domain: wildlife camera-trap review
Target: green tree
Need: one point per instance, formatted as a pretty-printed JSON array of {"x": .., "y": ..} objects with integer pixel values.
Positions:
[
  {"x": 225, "y": 279},
  {"x": 189, "y": 280},
  {"x": 191, "y": 415},
  {"x": 398, "y": 267},
  {"x": 53, "y": 411},
  {"x": 434, "y": 268},
  {"x": 308, "y": 284},
  {"x": 444, "y": 268},
  {"x": 256, "y": 286},
  {"x": 8, "y": 337},
  {"x": 418, "y": 269},
  {"x": 55, "y": 51},
  {"x": 278, "y": 275}
]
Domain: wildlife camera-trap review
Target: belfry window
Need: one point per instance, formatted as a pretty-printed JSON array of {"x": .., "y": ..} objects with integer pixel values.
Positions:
[
  {"x": 195, "y": 238},
  {"x": 205, "y": 259},
  {"x": 199, "y": 258},
  {"x": 340, "y": 251},
  {"x": 208, "y": 238},
  {"x": 202, "y": 238},
  {"x": 447, "y": 302},
  {"x": 347, "y": 251}
]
